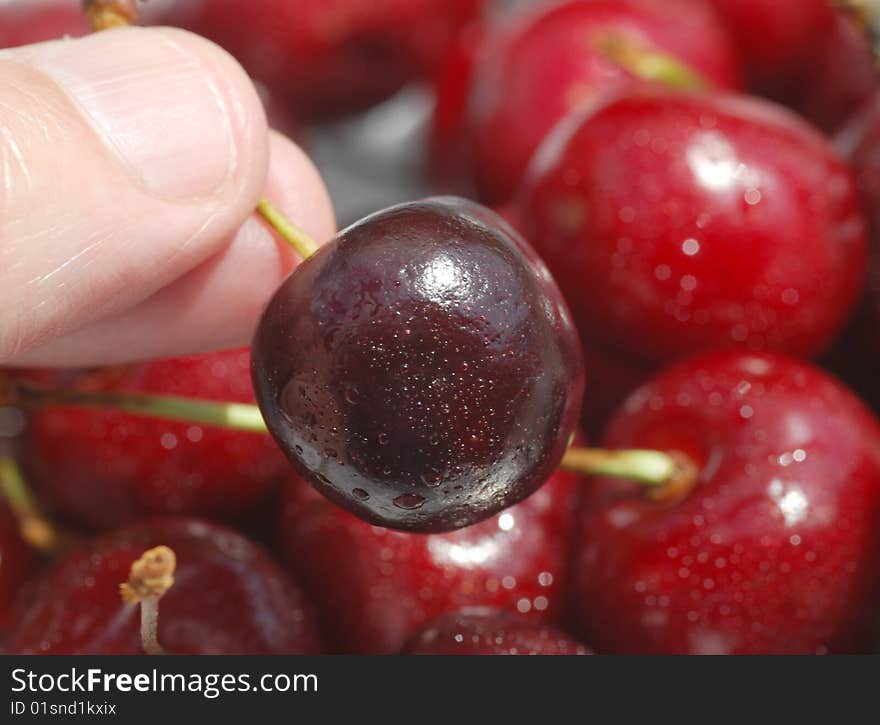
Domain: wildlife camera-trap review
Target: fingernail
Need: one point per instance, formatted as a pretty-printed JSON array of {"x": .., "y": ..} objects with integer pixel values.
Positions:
[{"x": 155, "y": 102}]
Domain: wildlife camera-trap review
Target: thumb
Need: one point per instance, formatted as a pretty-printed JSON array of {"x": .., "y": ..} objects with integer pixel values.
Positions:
[{"x": 127, "y": 160}]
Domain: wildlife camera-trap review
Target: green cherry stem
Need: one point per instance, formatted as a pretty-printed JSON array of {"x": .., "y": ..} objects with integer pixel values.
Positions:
[
  {"x": 304, "y": 245},
  {"x": 35, "y": 529},
  {"x": 647, "y": 63},
  {"x": 237, "y": 416}
]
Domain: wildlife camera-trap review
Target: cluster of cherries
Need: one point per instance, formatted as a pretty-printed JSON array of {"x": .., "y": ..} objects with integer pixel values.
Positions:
[{"x": 432, "y": 381}]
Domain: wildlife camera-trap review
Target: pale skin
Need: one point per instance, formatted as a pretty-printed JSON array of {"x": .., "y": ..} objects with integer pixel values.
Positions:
[{"x": 131, "y": 163}]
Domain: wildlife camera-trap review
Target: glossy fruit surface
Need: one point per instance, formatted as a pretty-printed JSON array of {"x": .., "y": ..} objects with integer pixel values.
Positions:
[
  {"x": 775, "y": 550},
  {"x": 421, "y": 369},
  {"x": 529, "y": 73},
  {"x": 484, "y": 631},
  {"x": 678, "y": 223},
  {"x": 228, "y": 597},
  {"x": 17, "y": 562},
  {"x": 328, "y": 57},
  {"x": 104, "y": 468},
  {"x": 777, "y": 38},
  {"x": 374, "y": 588}
]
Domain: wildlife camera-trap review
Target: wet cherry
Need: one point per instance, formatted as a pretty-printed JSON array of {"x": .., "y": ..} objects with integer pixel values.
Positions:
[
  {"x": 18, "y": 562},
  {"x": 421, "y": 369},
  {"x": 104, "y": 468},
  {"x": 529, "y": 73},
  {"x": 676, "y": 223},
  {"x": 374, "y": 587},
  {"x": 484, "y": 631},
  {"x": 229, "y": 597},
  {"x": 777, "y": 39},
  {"x": 327, "y": 57},
  {"x": 775, "y": 549}
]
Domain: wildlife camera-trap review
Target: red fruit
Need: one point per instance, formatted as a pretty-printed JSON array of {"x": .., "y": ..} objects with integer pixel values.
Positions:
[
  {"x": 104, "y": 468},
  {"x": 31, "y": 21},
  {"x": 839, "y": 80},
  {"x": 776, "y": 38},
  {"x": 228, "y": 597},
  {"x": 773, "y": 551},
  {"x": 17, "y": 561},
  {"x": 376, "y": 587},
  {"x": 677, "y": 223},
  {"x": 529, "y": 74},
  {"x": 484, "y": 631},
  {"x": 329, "y": 57}
]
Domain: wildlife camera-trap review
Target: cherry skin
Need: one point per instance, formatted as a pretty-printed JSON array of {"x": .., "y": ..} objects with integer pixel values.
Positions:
[
  {"x": 776, "y": 38},
  {"x": 856, "y": 355},
  {"x": 775, "y": 549},
  {"x": 839, "y": 79},
  {"x": 529, "y": 73},
  {"x": 375, "y": 588},
  {"x": 484, "y": 631},
  {"x": 103, "y": 468},
  {"x": 421, "y": 369},
  {"x": 327, "y": 57},
  {"x": 228, "y": 597},
  {"x": 33, "y": 21},
  {"x": 612, "y": 377},
  {"x": 18, "y": 562},
  {"x": 678, "y": 223}
]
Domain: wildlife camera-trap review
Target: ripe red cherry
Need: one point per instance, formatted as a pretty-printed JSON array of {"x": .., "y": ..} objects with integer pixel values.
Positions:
[
  {"x": 328, "y": 57},
  {"x": 421, "y": 369},
  {"x": 677, "y": 223},
  {"x": 839, "y": 79},
  {"x": 228, "y": 597},
  {"x": 103, "y": 468},
  {"x": 18, "y": 562},
  {"x": 775, "y": 548},
  {"x": 33, "y": 21},
  {"x": 777, "y": 39},
  {"x": 484, "y": 631},
  {"x": 374, "y": 587},
  {"x": 529, "y": 73}
]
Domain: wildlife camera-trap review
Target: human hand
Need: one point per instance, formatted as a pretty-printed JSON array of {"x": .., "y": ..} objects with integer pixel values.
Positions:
[{"x": 130, "y": 164}]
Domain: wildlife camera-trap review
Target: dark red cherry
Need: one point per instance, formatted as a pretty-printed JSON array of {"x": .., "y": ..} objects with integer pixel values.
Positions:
[
  {"x": 485, "y": 631},
  {"x": 677, "y": 223},
  {"x": 530, "y": 72},
  {"x": 103, "y": 468},
  {"x": 839, "y": 79},
  {"x": 778, "y": 39},
  {"x": 327, "y": 57},
  {"x": 228, "y": 597},
  {"x": 375, "y": 588},
  {"x": 421, "y": 369},
  {"x": 18, "y": 562},
  {"x": 775, "y": 549}
]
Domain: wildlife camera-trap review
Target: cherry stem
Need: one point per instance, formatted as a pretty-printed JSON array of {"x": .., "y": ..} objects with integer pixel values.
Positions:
[
  {"x": 304, "y": 245},
  {"x": 237, "y": 416},
  {"x": 647, "y": 63},
  {"x": 106, "y": 14},
  {"x": 149, "y": 578},
  {"x": 651, "y": 468},
  {"x": 35, "y": 528},
  {"x": 150, "y": 626}
]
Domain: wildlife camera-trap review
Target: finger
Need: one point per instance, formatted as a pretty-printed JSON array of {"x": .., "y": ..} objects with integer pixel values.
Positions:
[
  {"x": 216, "y": 305},
  {"x": 127, "y": 159}
]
